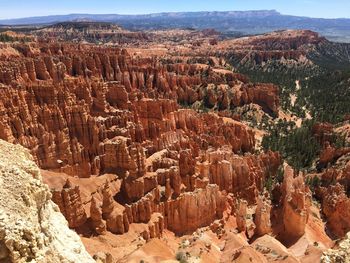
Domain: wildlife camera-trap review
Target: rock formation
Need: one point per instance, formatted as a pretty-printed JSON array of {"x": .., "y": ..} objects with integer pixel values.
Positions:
[
  {"x": 244, "y": 176},
  {"x": 241, "y": 216},
  {"x": 69, "y": 101},
  {"x": 335, "y": 204},
  {"x": 142, "y": 146},
  {"x": 339, "y": 254},
  {"x": 70, "y": 204},
  {"x": 194, "y": 210},
  {"x": 296, "y": 203},
  {"x": 31, "y": 226},
  {"x": 286, "y": 48},
  {"x": 262, "y": 217},
  {"x": 96, "y": 217},
  {"x": 330, "y": 154}
]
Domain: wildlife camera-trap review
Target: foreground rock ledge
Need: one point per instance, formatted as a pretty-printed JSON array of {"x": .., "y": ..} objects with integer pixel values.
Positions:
[
  {"x": 31, "y": 227},
  {"x": 339, "y": 254}
]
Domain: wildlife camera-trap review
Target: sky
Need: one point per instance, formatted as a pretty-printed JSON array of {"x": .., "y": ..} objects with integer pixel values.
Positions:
[{"x": 312, "y": 8}]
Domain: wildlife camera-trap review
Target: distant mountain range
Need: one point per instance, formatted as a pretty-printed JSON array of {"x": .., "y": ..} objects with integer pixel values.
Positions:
[{"x": 245, "y": 22}]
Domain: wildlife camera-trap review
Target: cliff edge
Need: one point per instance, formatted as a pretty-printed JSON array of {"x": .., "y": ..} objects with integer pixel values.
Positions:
[{"x": 31, "y": 227}]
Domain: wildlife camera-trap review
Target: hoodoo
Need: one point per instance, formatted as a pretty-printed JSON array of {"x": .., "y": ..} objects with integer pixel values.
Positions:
[{"x": 151, "y": 141}]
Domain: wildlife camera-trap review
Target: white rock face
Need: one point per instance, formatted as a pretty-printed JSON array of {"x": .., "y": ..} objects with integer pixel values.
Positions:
[
  {"x": 31, "y": 227},
  {"x": 341, "y": 254}
]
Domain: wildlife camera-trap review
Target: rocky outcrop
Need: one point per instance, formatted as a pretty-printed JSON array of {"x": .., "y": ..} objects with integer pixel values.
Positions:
[
  {"x": 119, "y": 157},
  {"x": 335, "y": 204},
  {"x": 296, "y": 198},
  {"x": 156, "y": 226},
  {"x": 70, "y": 204},
  {"x": 194, "y": 210},
  {"x": 241, "y": 216},
  {"x": 330, "y": 154},
  {"x": 244, "y": 176},
  {"x": 265, "y": 95},
  {"x": 225, "y": 97},
  {"x": 262, "y": 217},
  {"x": 182, "y": 215},
  {"x": 341, "y": 253},
  {"x": 31, "y": 226},
  {"x": 96, "y": 217},
  {"x": 323, "y": 132}
]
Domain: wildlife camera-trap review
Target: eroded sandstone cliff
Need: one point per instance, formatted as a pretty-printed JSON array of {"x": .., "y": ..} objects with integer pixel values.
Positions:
[{"x": 32, "y": 229}]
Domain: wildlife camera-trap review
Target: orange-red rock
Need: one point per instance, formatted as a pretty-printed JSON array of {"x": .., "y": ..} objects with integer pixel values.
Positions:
[{"x": 296, "y": 198}]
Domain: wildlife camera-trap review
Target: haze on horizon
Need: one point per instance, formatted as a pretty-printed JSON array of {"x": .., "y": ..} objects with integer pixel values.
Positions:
[{"x": 310, "y": 8}]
